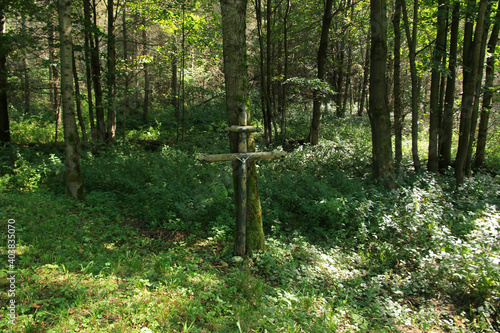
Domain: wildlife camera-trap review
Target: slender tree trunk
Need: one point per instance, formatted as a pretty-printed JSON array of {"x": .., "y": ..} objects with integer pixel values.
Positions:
[
  {"x": 96, "y": 79},
  {"x": 265, "y": 104},
  {"x": 183, "y": 75},
  {"x": 415, "y": 87},
  {"x": 174, "y": 83},
  {"x": 236, "y": 77},
  {"x": 268, "y": 76},
  {"x": 111, "y": 74},
  {"x": 285, "y": 70},
  {"x": 73, "y": 175},
  {"x": 446, "y": 136},
  {"x": 366, "y": 74},
  {"x": 398, "y": 112},
  {"x": 437, "y": 58},
  {"x": 477, "y": 94},
  {"x": 488, "y": 94},
  {"x": 4, "y": 109},
  {"x": 340, "y": 112},
  {"x": 145, "y": 105},
  {"x": 54, "y": 79},
  {"x": 26, "y": 79},
  {"x": 322, "y": 55},
  {"x": 471, "y": 61},
  {"x": 125, "y": 59},
  {"x": 78, "y": 97},
  {"x": 378, "y": 112},
  {"x": 88, "y": 66}
]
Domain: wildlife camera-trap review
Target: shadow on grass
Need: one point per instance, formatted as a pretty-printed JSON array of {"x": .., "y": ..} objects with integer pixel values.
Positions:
[{"x": 87, "y": 270}]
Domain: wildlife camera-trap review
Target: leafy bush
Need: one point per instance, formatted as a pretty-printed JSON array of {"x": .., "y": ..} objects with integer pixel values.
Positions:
[{"x": 169, "y": 188}]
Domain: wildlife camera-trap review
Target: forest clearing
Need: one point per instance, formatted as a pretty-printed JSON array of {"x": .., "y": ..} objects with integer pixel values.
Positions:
[{"x": 357, "y": 178}]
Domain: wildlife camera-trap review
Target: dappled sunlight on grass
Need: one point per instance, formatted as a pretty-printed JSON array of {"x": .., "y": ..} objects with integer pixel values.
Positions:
[{"x": 151, "y": 248}]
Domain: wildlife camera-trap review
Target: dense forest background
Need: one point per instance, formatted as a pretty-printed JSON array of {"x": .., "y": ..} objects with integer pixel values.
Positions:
[{"x": 381, "y": 218}]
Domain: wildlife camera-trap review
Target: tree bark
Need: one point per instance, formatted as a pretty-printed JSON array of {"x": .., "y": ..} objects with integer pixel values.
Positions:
[
  {"x": 88, "y": 66},
  {"x": 269, "y": 72},
  {"x": 4, "y": 109},
  {"x": 488, "y": 94},
  {"x": 96, "y": 79},
  {"x": 236, "y": 81},
  {"x": 145, "y": 105},
  {"x": 73, "y": 175},
  {"x": 78, "y": 97},
  {"x": 111, "y": 74},
  {"x": 321, "y": 60},
  {"x": 125, "y": 59},
  {"x": 398, "y": 112},
  {"x": 26, "y": 79},
  {"x": 366, "y": 75},
  {"x": 435, "y": 112},
  {"x": 53, "y": 79},
  {"x": 263, "y": 77},
  {"x": 415, "y": 87},
  {"x": 446, "y": 135},
  {"x": 383, "y": 167},
  {"x": 471, "y": 62},
  {"x": 477, "y": 94},
  {"x": 284, "y": 114}
]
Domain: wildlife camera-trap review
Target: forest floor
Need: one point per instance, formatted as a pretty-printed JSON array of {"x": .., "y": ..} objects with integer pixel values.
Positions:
[{"x": 150, "y": 250}]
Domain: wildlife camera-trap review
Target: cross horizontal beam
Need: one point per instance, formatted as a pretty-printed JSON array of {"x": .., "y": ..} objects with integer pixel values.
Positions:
[
  {"x": 235, "y": 156},
  {"x": 243, "y": 129}
]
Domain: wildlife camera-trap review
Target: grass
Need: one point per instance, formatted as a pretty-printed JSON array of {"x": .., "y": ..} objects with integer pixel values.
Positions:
[{"x": 151, "y": 248}]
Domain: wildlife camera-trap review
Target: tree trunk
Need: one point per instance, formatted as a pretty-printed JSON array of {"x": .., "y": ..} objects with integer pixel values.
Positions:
[
  {"x": 435, "y": 112},
  {"x": 236, "y": 80},
  {"x": 322, "y": 54},
  {"x": 78, "y": 97},
  {"x": 73, "y": 175},
  {"x": 111, "y": 74},
  {"x": 26, "y": 79},
  {"x": 96, "y": 78},
  {"x": 174, "y": 84},
  {"x": 479, "y": 82},
  {"x": 4, "y": 107},
  {"x": 398, "y": 111},
  {"x": 183, "y": 75},
  {"x": 53, "y": 79},
  {"x": 446, "y": 136},
  {"x": 378, "y": 112},
  {"x": 145, "y": 105},
  {"x": 269, "y": 66},
  {"x": 88, "y": 66},
  {"x": 264, "y": 72},
  {"x": 366, "y": 74},
  {"x": 236, "y": 77},
  {"x": 285, "y": 70},
  {"x": 415, "y": 87},
  {"x": 339, "y": 81},
  {"x": 488, "y": 94},
  {"x": 471, "y": 62},
  {"x": 125, "y": 59}
]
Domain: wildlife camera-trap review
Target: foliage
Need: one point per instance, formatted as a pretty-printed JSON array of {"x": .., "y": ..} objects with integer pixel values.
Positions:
[{"x": 151, "y": 248}]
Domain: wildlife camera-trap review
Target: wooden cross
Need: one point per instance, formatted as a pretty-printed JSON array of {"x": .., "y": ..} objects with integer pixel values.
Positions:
[{"x": 243, "y": 156}]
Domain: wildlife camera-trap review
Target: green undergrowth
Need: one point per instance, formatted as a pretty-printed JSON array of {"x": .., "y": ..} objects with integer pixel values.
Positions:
[{"x": 150, "y": 250}]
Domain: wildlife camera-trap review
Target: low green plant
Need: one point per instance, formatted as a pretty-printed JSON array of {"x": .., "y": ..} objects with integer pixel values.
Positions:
[{"x": 150, "y": 250}]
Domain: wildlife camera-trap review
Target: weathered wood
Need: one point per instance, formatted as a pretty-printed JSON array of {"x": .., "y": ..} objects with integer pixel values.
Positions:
[
  {"x": 241, "y": 218},
  {"x": 244, "y": 132},
  {"x": 243, "y": 129},
  {"x": 268, "y": 155}
]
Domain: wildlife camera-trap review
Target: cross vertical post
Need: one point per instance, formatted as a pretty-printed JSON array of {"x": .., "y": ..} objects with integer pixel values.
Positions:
[
  {"x": 243, "y": 156},
  {"x": 241, "y": 220}
]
